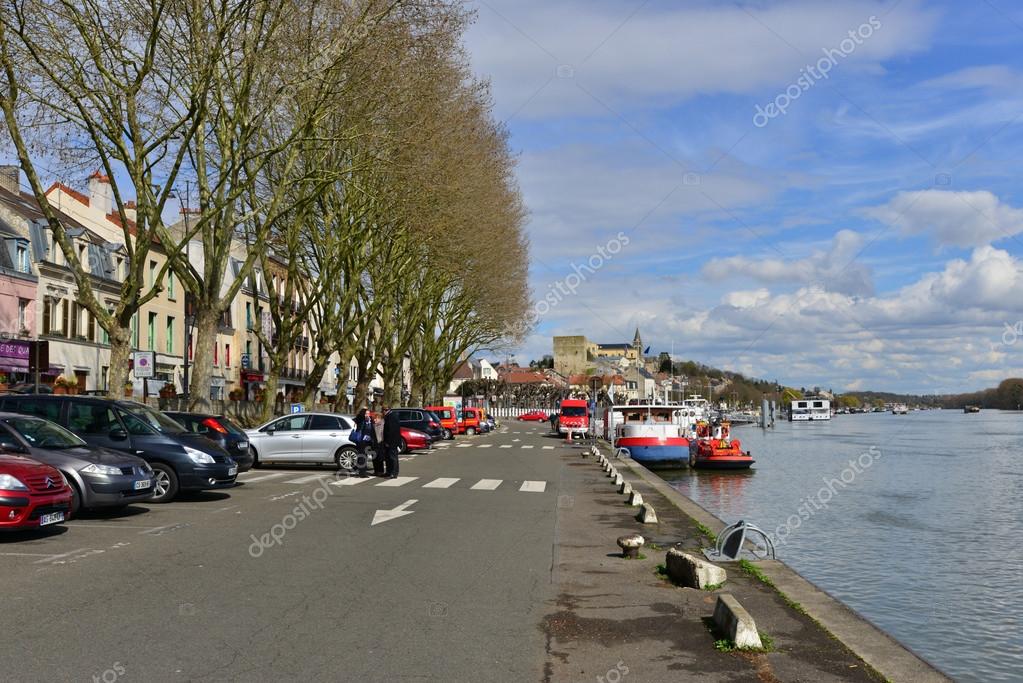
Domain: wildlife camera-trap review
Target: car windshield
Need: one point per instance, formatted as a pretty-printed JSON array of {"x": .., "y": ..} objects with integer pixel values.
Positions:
[
  {"x": 230, "y": 426},
  {"x": 573, "y": 411},
  {"x": 43, "y": 433},
  {"x": 154, "y": 419}
]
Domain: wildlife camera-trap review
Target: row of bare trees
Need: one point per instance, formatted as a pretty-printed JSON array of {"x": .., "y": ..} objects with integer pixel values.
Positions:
[{"x": 345, "y": 142}]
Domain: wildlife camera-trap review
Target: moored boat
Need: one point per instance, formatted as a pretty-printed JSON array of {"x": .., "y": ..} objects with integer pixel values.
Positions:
[
  {"x": 971, "y": 409},
  {"x": 715, "y": 449},
  {"x": 651, "y": 434}
]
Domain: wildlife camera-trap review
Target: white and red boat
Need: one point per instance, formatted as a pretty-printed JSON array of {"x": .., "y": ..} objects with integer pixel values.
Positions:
[
  {"x": 653, "y": 435},
  {"x": 717, "y": 450}
]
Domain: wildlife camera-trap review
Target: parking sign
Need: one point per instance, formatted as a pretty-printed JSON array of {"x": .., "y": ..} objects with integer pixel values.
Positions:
[{"x": 143, "y": 362}]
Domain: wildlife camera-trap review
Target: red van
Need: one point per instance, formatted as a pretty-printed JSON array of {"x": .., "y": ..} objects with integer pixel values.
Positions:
[
  {"x": 469, "y": 421},
  {"x": 574, "y": 417},
  {"x": 448, "y": 421}
]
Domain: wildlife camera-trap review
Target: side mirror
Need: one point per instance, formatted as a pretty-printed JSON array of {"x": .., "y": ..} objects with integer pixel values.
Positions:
[
  {"x": 118, "y": 435},
  {"x": 11, "y": 446},
  {"x": 270, "y": 431}
]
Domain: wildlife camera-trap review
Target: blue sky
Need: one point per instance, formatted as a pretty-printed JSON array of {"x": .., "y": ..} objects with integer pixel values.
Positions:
[{"x": 870, "y": 236}]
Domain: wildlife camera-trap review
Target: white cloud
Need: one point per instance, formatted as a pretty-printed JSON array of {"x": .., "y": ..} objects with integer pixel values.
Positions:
[
  {"x": 993, "y": 77},
  {"x": 662, "y": 55},
  {"x": 835, "y": 270},
  {"x": 962, "y": 219}
]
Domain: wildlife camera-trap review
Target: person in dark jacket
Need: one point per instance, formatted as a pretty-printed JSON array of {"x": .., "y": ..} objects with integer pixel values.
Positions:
[
  {"x": 364, "y": 438},
  {"x": 392, "y": 437}
]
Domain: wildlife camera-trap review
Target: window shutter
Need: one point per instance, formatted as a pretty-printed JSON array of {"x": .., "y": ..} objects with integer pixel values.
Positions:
[{"x": 66, "y": 316}]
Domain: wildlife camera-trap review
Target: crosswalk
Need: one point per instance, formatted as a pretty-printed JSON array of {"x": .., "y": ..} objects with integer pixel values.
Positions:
[{"x": 436, "y": 483}]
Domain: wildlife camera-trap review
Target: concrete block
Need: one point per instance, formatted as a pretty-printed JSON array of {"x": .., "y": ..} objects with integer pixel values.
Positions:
[
  {"x": 647, "y": 514},
  {"x": 612, "y": 473},
  {"x": 618, "y": 480},
  {"x": 733, "y": 621},
  {"x": 625, "y": 489},
  {"x": 635, "y": 498},
  {"x": 693, "y": 572}
]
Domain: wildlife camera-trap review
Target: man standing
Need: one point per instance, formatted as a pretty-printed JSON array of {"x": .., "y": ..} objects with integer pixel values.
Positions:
[{"x": 392, "y": 437}]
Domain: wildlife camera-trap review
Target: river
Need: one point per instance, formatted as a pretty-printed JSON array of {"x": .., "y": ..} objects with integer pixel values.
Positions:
[{"x": 914, "y": 521}]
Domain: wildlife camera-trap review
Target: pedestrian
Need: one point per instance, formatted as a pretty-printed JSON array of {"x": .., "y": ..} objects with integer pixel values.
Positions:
[
  {"x": 364, "y": 438},
  {"x": 554, "y": 422},
  {"x": 392, "y": 437},
  {"x": 379, "y": 447}
]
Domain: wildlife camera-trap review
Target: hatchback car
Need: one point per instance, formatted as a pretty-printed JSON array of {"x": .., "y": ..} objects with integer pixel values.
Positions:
[
  {"x": 533, "y": 416},
  {"x": 413, "y": 440},
  {"x": 421, "y": 420},
  {"x": 32, "y": 494},
  {"x": 315, "y": 438},
  {"x": 181, "y": 461},
  {"x": 99, "y": 478},
  {"x": 220, "y": 430}
]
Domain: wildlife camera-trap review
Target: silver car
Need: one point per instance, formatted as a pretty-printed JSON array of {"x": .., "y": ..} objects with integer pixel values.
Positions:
[
  {"x": 312, "y": 438},
  {"x": 99, "y": 477}
]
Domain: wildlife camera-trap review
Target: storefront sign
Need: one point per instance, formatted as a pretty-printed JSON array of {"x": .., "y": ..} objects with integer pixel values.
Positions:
[{"x": 14, "y": 354}]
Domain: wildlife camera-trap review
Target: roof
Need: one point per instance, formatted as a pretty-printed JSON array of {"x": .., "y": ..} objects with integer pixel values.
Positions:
[
  {"x": 26, "y": 206},
  {"x": 463, "y": 371},
  {"x": 525, "y": 378}
]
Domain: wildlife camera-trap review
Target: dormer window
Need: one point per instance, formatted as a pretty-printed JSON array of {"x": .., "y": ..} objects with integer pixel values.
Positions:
[{"x": 21, "y": 262}]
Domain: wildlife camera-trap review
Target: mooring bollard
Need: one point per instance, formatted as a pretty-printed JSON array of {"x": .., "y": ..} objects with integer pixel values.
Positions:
[
  {"x": 618, "y": 480},
  {"x": 625, "y": 488},
  {"x": 630, "y": 545},
  {"x": 635, "y": 498},
  {"x": 647, "y": 514}
]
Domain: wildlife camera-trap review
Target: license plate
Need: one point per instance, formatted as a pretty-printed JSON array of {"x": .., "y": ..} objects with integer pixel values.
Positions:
[
  {"x": 232, "y": 471},
  {"x": 51, "y": 518},
  {"x": 142, "y": 484},
  {"x": 242, "y": 445}
]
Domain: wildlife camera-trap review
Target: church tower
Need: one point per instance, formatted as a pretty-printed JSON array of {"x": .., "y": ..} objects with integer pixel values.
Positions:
[{"x": 637, "y": 343}]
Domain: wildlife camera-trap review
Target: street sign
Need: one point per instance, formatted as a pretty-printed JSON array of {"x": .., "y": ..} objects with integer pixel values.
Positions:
[
  {"x": 144, "y": 364},
  {"x": 296, "y": 407}
]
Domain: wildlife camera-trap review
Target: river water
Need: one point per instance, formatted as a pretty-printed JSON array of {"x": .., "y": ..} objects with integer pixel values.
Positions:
[{"x": 915, "y": 521}]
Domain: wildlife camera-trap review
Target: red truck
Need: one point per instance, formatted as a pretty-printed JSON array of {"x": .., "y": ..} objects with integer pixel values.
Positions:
[
  {"x": 469, "y": 421},
  {"x": 574, "y": 417}
]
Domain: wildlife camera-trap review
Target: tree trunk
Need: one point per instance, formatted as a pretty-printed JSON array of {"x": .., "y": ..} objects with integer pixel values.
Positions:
[
  {"x": 120, "y": 355},
  {"x": 201, "y": 368},
  {"x": 312, "y": 382},
  {"x": 270, "y": 393}
]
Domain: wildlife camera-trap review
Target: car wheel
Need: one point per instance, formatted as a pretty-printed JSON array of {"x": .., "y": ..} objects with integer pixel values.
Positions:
[
  {"x": 402, "y": 446},
  {"x": 448, "y": 435},
  {"x": 470, "y": 431},
  {"x": 255, "y": 458},
  {"x": 346, "y": 458},
  {"x": 76, "y": 498},
  {"x": 165, "y": 483}
]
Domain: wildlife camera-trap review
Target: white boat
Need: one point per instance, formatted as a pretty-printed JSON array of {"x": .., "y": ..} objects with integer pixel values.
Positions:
[
  {"x": 810, "y": 410},
  {"x": 653, "y": 435},
  {"x": 900, "y": 409}
]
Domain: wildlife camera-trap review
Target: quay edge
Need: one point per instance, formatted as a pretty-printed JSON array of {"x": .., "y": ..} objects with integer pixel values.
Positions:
[{"x": 890, "y": 658}]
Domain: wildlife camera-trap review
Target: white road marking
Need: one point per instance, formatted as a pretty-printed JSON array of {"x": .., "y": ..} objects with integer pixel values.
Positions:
[
  {"x": 23, "y": 555},
  {"x": 399, "y": 481},
  {"x": 307, "y": 479},
  {"x": 463, "y": 445},
  {"x": 350, "y": 481},
  {"x": 57, "y": 557},
  {"x": 548, "y": 448},
  {"x": 486, "y": 484},
  {"x": 247, "y": 477},
  {"x": 486, "y": 445},
  {"x": 394, "y": 513},
  {"x": 533, "y": 486},
  {"x": 441, "y": 483},
  {"x": 516, "y": 440},
  {"x": 527, "y": 446}
]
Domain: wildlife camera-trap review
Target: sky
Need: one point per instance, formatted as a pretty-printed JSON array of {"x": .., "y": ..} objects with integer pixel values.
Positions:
[{"x": 820, "y": 193}]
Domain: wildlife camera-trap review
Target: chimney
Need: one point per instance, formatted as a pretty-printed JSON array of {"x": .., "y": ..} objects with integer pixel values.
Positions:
[
  {"x": 131, "y": 211},
  {"x": 10, "y": 178},
  {"x": 101, "y": 196}
]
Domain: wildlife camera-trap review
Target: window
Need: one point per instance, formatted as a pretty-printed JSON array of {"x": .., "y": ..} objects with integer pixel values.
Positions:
[
  {"x": 119, "y": 269},
  {"x": 227, "y": 355},
  {"x": 325, "y": 422},
  {"x": 21, "y": 260},
  {"x": 170, "y": 285},
  {"x": 89, "y": 418},
  {"x": 288, "y": 424},
  {"x": 216, "y": 349},
  {"x": 170, "y": 334},
  {"x": 152, "y": 273},
  {"x": 248, "y": 316},
  {"x": 151, "y": 332},
  {"x": 41, "y": 407},
  {"x": 23, "y": 314}
]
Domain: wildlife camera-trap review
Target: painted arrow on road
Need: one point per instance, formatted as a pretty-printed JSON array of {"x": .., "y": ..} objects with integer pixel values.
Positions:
[{"x": 387, "y": 515}]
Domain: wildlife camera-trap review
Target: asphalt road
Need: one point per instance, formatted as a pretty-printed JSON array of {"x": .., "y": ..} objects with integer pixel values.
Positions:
[{"x": 285, "y": 577}]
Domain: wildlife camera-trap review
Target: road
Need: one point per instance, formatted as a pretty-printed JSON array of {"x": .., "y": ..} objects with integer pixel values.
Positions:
[{"x": 286, "y": 577}]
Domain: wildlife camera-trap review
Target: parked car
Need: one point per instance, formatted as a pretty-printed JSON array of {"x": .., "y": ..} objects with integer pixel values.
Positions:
[
  {"x": 181, "y": 461},
  {"x": 413, "y": 439},
  {"x": 448, "y": 420},
  {"x": 314, "y": 438},
  {"x": 421, "y": 419},
  {"x": 99, "y": 478},
  {"x": 469, "y": 421},
  {"x": 32, "y": 495},
  {"x": 534, "y": 416},
  {"x": 220, "y": 430}
]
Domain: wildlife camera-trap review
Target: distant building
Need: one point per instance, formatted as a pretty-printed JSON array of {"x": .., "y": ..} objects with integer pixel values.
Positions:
[{"x": 576, "y": 354}]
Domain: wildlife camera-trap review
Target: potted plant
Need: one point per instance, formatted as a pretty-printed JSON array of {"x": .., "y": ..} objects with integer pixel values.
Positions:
[
  {"x": 259, "y": 395},
  {"x": 63, "y": 385},
  {"x": 129, "y": 389},
  {"x": 168, "y": 390},
  {"x": 236, "y": 394},
  {"x": 3, "y": 381}
]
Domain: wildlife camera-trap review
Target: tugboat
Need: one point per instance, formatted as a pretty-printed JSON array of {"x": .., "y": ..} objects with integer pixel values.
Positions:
[{"x": 717, "y": 450}]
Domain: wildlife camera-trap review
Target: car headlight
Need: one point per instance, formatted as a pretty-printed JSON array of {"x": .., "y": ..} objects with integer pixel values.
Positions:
[
  {"x": 100, "y": 469},
  {"x": 198, "y": 457},
  {"x": 9, "y": 483}
]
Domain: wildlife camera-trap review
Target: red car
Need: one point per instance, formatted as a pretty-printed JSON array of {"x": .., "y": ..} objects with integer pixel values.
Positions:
[
  {"x": 534, "y": 416},
  {"x": 413, "y": 440},
  {"x": 32, "y": 494}
]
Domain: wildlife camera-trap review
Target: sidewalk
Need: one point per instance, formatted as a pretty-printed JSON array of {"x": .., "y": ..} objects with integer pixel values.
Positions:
[{"x": 618, "y": 620}]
